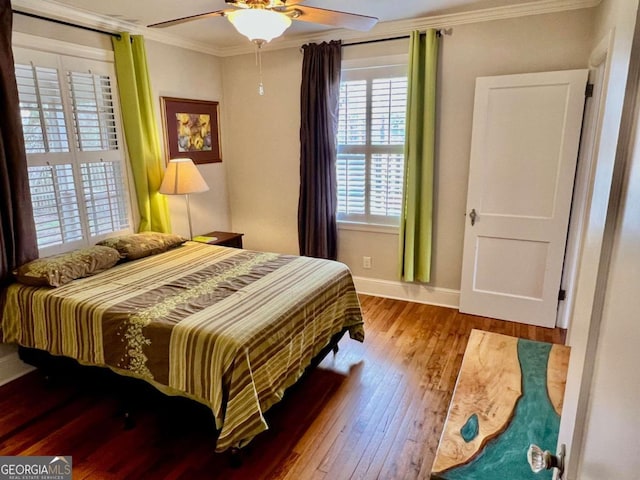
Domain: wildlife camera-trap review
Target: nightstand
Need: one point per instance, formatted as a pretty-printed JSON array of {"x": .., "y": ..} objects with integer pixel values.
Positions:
[{"x": 225, "y": 239}]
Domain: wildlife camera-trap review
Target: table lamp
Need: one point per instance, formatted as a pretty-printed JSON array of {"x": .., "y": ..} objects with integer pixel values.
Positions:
[{"x": 182, "y": 177}]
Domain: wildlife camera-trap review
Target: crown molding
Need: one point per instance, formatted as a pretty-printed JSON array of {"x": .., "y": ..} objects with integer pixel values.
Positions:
[
  {"x": 404, "y": 27},
  {"x": 58, "y": 11}
]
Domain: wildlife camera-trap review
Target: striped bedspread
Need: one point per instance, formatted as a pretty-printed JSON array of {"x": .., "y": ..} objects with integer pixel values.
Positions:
[{"x": 229, "y": 328}]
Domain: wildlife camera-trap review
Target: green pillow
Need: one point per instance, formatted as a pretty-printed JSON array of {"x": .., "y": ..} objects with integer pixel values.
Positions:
[
  {"x": 139, "y": 245},
  {"x": 60, "y": 269}
]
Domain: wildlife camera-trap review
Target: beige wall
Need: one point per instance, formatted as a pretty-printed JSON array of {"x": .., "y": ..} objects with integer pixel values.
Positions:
[
  {"x": 42, "y": 28},
  {"x": 262, "y": 148},
  {"x": 176, "y": 72},
  {"x": 263, "y": 145}
]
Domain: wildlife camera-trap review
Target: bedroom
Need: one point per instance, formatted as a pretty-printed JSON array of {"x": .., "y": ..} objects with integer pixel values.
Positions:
[{"x": 241, "y": 196}]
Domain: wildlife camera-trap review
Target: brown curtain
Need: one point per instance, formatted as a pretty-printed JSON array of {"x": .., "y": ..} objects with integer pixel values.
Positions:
[
  {"x": 18, "y": 234},
  {"x": 317, "y": 229}
]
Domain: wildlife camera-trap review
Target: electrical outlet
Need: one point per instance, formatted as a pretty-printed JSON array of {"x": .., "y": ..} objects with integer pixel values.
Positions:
[{"x": 366, "y": 262}]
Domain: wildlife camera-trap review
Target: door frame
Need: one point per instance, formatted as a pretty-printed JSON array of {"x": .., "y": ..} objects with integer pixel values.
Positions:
[
  {"x": 572, "y": 421},
  {"x": 583, "y": 184},
  {"x": 597, "y": 237}
]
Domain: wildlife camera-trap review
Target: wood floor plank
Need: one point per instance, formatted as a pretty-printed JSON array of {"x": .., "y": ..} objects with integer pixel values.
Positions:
[{"x": 373, "y": 411}]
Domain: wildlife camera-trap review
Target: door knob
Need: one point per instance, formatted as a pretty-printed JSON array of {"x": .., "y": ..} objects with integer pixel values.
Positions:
[
  {"x": 473, "y": 215},
  {"x": 544, "y": 460}
]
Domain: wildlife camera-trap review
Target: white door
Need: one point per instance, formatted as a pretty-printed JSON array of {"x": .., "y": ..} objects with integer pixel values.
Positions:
[{"x": 524, "y": 147}]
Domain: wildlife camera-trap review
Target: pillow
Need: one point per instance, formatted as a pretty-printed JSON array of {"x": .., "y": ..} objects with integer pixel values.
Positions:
[
  {"x": 139, "y": 245},
  {"x": 60, "y": 269}
]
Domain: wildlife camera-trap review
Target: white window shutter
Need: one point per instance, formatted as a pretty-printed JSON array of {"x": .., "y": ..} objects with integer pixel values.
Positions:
[
  {"x": 387, "y": 173},
  {"x": 388, "y": 110},
  {"x": 352, "y": 119},
  {"x": 93, "y": 113},
  {"x": 41, "y": 109},
  {"x": 55, "y": 205},
  {"x": 352, "y": 180},
  {"x": 104, "y": 196}
]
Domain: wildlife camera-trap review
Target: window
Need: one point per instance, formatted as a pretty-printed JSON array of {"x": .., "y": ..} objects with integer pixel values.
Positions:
[
  {"x": 371, "y": 132},
  {"x": 75, "y": 162}
]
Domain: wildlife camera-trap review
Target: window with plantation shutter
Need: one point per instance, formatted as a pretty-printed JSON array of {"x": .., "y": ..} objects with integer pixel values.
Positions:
[
  {"x": 371, "y": 133},
  {"x": 77, "y": 174}
]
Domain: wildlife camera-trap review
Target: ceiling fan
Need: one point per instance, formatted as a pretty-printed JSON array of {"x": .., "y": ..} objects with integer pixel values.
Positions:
[{"x": 263, "y": 20}]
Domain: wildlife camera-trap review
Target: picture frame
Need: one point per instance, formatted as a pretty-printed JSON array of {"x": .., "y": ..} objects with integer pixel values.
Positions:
[{"x": 191, "y": 129}]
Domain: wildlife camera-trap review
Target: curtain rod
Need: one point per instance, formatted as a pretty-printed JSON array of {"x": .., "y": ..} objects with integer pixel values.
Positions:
[
  {"x": 440, "y": 33},
  {"x": 68, "y": 24}
]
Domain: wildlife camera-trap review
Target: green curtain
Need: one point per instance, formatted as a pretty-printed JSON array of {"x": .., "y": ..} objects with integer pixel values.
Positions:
[
  {"x": 416, "y": 222},
  {"x": 140, "y": 129}
]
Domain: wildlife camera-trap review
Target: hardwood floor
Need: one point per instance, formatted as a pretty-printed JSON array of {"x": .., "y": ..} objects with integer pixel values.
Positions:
[{"x": 375, "y": 410}]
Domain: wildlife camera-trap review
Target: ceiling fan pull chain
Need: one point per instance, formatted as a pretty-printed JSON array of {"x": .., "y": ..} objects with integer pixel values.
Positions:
[{"x": 259, "y": 63}]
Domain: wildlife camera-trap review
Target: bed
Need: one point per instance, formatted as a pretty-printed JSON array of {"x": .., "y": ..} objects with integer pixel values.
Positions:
[{"x": 229, "y": 328}]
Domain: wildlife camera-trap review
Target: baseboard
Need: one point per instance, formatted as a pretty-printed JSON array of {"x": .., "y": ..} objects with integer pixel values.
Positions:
[
  {"x": 11, "y": 367},
  {"x": 411, "y": 292}
]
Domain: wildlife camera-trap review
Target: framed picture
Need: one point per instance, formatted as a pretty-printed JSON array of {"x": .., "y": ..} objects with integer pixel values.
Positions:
[{"x": 191, "y": 129}]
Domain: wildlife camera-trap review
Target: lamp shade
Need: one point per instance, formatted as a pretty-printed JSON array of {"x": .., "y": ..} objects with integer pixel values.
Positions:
[
  {"x": 259, "y": 25},
  {"x": 182, "y": 177}
]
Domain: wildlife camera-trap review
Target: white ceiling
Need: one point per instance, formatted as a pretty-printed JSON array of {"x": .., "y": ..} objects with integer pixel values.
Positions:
[{"x": 220, "y": 37}]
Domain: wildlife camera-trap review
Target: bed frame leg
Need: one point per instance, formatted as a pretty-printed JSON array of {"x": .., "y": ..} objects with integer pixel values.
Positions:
[
  {"x": 49, "y": 381},
  {"x": 235, "y": 457},
  {"x": 125, "y": 413},
  {"x": 129, "y": 421}
]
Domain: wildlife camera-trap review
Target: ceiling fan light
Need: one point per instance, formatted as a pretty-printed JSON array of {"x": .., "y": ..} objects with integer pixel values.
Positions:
[{"x": 259, "y": 25}]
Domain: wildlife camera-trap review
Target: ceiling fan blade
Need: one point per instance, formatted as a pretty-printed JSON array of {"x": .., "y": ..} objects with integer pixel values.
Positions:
[
  {"x": 270, "y": 4},
  {"x": 190, "y": 18},
  {"x": 334, "y": 18}
]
